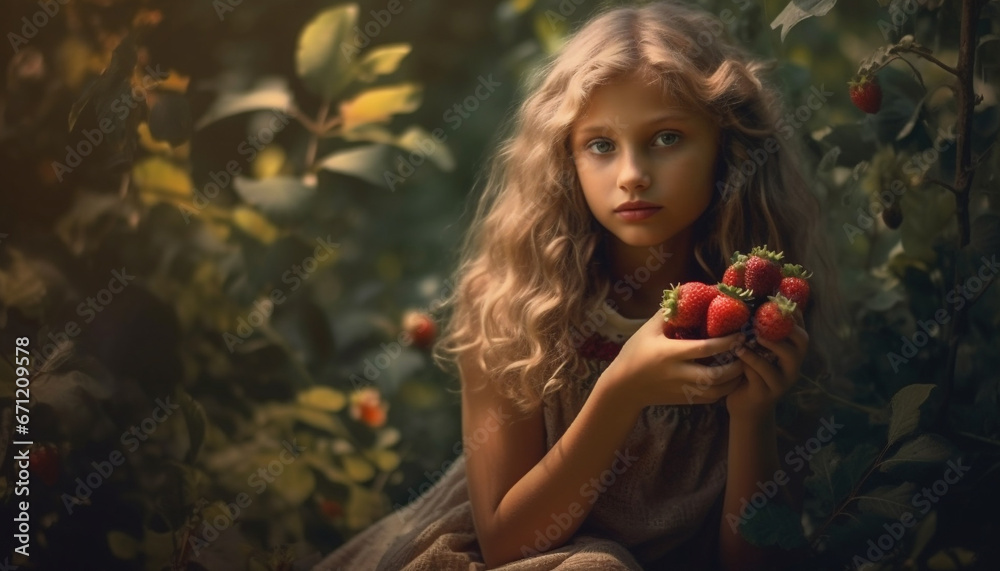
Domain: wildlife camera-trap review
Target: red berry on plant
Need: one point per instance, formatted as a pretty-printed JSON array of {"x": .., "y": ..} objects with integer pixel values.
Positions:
[
  {"x": 794, "y": 285},
  {"x": 420, "y": 327},
  {"x": 685, "y": 305},
  {"x": 728, "y": 312},
  {"x": 866, "y": 93},
  {"x": 774, "y": 320}
]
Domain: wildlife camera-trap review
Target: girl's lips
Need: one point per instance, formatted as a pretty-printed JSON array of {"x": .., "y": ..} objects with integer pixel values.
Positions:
[{"x": 638, "y": 214}]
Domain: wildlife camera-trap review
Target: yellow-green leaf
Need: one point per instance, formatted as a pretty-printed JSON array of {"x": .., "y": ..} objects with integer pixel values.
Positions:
[
  {"x": 295, "y": 483},
  {"x": 123, "y": 545},
  {"x": 363, "y": 508},
  {"x": 413, "y": 139},
  {"x": 380, "y": 104},
  {"x": 323, "y": 398},
  {"x": 325, "y": 53},
  {"x": 386, "y": 460},
  {"x": 387, "y": 437},
  {"x": 357, "y": 468},
  {"x": 159, "y": 180},
  {"x": 251, "y": 222},
  {"x": 382, "y": 60}
]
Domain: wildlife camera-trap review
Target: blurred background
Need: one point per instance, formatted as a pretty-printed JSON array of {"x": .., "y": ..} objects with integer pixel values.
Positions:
[{"x": 226, "y": 231}]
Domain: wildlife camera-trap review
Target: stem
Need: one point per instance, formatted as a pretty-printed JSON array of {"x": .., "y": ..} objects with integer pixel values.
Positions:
[
  {"x": 963, "y": 177},
  {"x": 844, "y": 401},
  {"x": 927, "y": 56},
  {"x": 847, "y": 500},
  {"x": 313, "y": 147},
  {"x": 978, "y": 437}
]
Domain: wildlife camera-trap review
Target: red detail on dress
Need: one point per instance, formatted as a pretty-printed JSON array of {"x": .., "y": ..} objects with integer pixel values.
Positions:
[{"x": 600, "y": 347}]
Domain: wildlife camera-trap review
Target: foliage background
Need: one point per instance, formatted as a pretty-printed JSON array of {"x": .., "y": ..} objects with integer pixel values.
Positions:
[{"x": 199, "y": 270}]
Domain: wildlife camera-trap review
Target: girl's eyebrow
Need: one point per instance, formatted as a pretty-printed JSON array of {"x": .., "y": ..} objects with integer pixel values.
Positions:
[{"x": 611, "y": 125}]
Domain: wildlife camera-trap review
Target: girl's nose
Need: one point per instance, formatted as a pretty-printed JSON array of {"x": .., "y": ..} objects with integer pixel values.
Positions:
[{"x": 633, "y": 174}]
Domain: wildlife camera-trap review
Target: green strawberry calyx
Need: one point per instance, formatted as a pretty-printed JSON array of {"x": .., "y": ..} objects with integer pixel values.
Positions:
[
  {"x": 739, "y": 293},
  {"x": 764, "y": 253},
  {"x": 795, "y": 271},
  {"x": 669, "y": 303},
  {"x": 784, "y": 305}
]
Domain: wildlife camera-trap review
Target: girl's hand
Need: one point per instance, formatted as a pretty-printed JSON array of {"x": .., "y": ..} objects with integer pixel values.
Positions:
[
  {"x": 765, "y": 383},
  {"x": 652, "y": 369}
]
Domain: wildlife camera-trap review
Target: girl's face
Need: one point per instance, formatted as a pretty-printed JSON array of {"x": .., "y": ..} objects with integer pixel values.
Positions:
[{"x": 635, "y": 144}]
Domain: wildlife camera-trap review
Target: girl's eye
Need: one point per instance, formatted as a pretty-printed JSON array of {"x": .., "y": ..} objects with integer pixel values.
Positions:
[
  {"x": 600, "y": 146},
  {"x": 667, "y": 138}
]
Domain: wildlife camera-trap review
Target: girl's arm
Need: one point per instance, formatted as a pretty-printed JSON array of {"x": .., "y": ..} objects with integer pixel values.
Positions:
[
  {"x": 753, "y": 446},
  {"x": 520, "y": 493},
  {"x": 753, "y": 459}
]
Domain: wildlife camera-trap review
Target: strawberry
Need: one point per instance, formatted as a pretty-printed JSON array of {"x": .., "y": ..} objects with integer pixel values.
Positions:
[
  {"x": 763, "y": 274},
  {"x": 728, "y": 312},
  {"x": 794, "y": 285},
  {"x": 684, "y": 305},
  {"x": 866, "y": 93},
  {"x": 773, "y": 320},
  {"x": 734, "y": 273},
  {"x": 420, "y": 328}
]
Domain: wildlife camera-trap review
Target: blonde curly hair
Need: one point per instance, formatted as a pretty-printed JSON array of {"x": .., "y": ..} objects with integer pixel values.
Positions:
[{"x": 533, "y": 263}]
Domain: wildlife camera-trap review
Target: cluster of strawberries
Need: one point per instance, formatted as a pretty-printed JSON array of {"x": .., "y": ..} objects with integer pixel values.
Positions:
[{"x": 695, "y": 310}]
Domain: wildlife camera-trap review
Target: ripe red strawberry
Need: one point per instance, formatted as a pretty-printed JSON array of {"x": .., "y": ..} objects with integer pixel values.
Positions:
[
  {"x": 774, "y": 320},
  {"x": 684, "y": 305},
  {"x": 728, "y": 312},
  {"x": 734, "y": 273},
  {"x": 866, "y": 93},
  {"x": 794, "y": 285},
  {"x": 763, "y": 274},
  {"x": 420, "y": 327}
]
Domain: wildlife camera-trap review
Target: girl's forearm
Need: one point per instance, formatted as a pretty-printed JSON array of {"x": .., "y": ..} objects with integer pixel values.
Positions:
[
  {"x": 559, "y": 492},
  {"x": 753, "y": 459}
]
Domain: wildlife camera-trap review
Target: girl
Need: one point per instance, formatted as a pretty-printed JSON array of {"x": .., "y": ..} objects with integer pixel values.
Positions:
[{"x": 591, "y": 440}]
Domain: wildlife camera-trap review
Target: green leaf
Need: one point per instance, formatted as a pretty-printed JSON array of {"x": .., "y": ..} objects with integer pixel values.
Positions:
[
  {"x": 382, "y": 60},
  {"x": 386, "y": 460},
  {"x": 326, "y": 469},
  {"x": 278, "y": 197},
  {"x": 357, "y": 468},
  {"x": 905, "y": 407},
  {"x": 323, "y": 398},
  {"x": 889, "y": 501},
  {"x": 924, "y": 448},
  {"x": 925, "y": 532},
  {"x": 367, "y": 163},
  {"x": 363, "y": 508},
  {"x": 926, "y": 212},
  {"x": 798, "y": 10},
  {"x": 269, "y": 94},
  {"x": 123, "y": 545},
  {"x": 414, "y": 139},
  {"x": 322, "y": 58},
  {"x": 834, "y": 476},
  {"x": 774, "y": 524},
  {"x": 295, "y": 483}
]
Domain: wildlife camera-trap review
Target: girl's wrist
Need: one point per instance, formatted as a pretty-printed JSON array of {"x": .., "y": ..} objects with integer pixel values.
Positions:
[{"x": 753, "y": 418}]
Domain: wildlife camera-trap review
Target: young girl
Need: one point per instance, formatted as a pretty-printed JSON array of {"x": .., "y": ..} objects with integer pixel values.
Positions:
[{"x": 591, "y": 440}]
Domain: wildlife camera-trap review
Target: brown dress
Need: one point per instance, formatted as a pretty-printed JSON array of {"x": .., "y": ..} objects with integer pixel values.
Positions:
[{"x": 662, "y": 512}]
